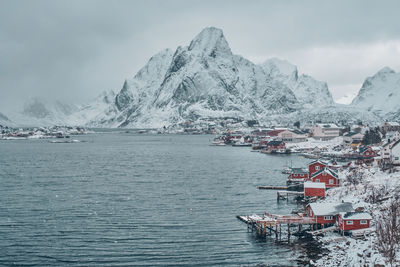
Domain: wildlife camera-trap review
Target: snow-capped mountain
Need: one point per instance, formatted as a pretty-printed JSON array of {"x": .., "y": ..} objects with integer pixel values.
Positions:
[
  {"x": 4, "y": 120},
  {"x": 205, "y": 79},
  {"x": 380, "y": 93},
  {"x": 39, "y": 112},
  {"x": 308, "y": 91}
]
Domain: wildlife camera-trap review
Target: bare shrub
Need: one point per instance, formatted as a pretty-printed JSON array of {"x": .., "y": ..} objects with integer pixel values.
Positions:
[{"x": 388, "y": 231}]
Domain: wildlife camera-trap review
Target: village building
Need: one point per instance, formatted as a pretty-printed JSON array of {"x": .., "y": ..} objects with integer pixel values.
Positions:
[
  {"x": 316, "y": 166},
  {"x": 293, "y": 136},
  {"x": 350, "y": 137},
  {"x": 276, "y": 145},
  {"x": 366, "y": 152},
  {"x": 298, "y": 175},
  {"x": 355, "y": 144},
  {"x": 274, "y": 133},
  {"x": 325, "y": 131},
  {"x": 348, "y": 221},
  {"x": 326, "y": 214},
  {"x": 392, "y": 136},
  {"x": 390, "y": 126},
  {"x": 395, "y": 153},
  {"x": 359, "y": 128},
  {"x": 314, "y": 189},
  {"x": 328, "y": 176}
]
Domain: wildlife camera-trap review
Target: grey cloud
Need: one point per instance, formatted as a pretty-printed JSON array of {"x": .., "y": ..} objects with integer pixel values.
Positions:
[{"x": 73, "y": 50}]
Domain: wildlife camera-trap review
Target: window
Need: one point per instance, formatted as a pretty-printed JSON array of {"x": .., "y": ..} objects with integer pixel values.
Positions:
[
  {"x": 317, "y": 180},
  {"x": 327, "y": 218},
  {"x": 330, "y": 181},
  {"x": 349, "y": 222},
  {"x": 363, "y": 222},
  {"x": 396, "y": 158},
  {"x": 317, "y": 168}
]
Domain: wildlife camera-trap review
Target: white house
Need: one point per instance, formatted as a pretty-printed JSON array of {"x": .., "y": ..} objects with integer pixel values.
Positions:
[
  {"x": 325, "y": 131},
  {"x": 395, "y": 152},
  {"x": 293, "y": 136},
  {"x": 392, "y": 136},
  {"x": 349, "y": 137}
]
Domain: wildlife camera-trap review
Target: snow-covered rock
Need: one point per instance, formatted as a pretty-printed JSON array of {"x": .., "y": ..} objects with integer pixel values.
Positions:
[
  {"x": 308, "y": 91},
  {"x": 205, "y": 79},
  {"x": 380, "y": 93}
]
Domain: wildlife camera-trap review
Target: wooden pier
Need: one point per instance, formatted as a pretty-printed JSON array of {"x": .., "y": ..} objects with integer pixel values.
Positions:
[
  {"x": 271, "y": 187},
  {"x": 269, "y": 224}
]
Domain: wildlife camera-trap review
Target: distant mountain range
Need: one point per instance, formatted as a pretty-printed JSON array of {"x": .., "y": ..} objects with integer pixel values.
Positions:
[{"x": 206, "y": 80}]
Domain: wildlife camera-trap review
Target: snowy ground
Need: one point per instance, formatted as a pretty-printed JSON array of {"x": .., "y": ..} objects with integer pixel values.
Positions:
[
  {"x": 312, "y": 143},
  {"x": 348, "y": 251}
]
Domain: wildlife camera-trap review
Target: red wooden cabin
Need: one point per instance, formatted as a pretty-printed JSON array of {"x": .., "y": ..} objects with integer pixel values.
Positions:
[
  {"x": 316, "y": 166},
  {"x": 348, "y": 221},
  {"x": 326, "y": 213},
  {"x": 312, "y": 189},
  {"x": 327, "y": 176}
]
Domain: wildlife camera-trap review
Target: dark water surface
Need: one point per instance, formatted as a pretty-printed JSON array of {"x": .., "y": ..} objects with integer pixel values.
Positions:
[{"x": 122, "y": 199}]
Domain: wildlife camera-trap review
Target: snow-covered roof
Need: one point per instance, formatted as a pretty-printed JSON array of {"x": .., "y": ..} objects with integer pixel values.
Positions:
[
  {"x": 355, "y": 216},
  {"x": 314, "y": 185},
  {"x": 327, "y": 125},
  {"x": 320, "y": 209},
  {"x": 318, "y": 160},
  {"x": 328, "y": 171}
]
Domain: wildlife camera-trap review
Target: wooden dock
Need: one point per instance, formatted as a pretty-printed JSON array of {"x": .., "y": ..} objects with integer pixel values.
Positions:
[
  {"x": 272, "y": 187},
  {"x": 272, "y": 223}
]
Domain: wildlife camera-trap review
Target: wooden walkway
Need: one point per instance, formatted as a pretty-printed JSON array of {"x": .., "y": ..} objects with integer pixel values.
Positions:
[{"x": 272, "y": 223}]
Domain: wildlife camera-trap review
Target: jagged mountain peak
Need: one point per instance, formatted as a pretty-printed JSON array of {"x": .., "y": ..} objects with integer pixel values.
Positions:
[
  {"x": 281, "y": 65},
  {"x": 385, "y": 70},
  {"x": 380, "y": 93},
  {"x": 210, "y": 41}
]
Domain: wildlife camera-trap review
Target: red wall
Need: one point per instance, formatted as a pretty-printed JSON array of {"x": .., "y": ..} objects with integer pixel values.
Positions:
[
  {"x": 311, "y": 168},
  {"x": 325, "y": 179},
  {"x": 355, "y": 226},
  {"x": 320, "y": 219},
  {"x": 314, "y": 192}
]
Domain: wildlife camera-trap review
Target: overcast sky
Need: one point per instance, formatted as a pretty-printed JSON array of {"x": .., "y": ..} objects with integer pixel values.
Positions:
[{"x": 73, "y": 50}]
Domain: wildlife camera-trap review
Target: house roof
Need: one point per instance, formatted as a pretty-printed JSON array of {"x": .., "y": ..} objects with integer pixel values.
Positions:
[
  {"x": 356, "y": 142},
  {"x": 364, "y": 148},
  {"x": 318, "y": 160},
  {"x": 350, "y": 134},
  {"x": 395, "y": 143},
  {"x": 330, "y": 208},
  {"x": 327, "y": 170},
  {"x": 275, "y": 132},
  {"x": 355, "y": 216},
  {"x": 314, "y": 185},
  {"x": 275, "y": 143},
  {"x": 298, "y": 132},
  {"x": 328, "y": 125}
]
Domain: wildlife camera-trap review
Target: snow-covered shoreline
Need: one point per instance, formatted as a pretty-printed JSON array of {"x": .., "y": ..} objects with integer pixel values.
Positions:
[{"x": 373, "y": 193}]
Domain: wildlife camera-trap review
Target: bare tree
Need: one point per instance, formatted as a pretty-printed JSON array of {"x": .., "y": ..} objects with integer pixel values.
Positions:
[{"x": 388, "y": 231}]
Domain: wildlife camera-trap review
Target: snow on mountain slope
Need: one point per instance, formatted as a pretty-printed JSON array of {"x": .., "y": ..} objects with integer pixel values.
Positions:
[
  {"x": 203, "y": 79},
  {"x": 39, "y": 112},
  {"x": 380, "y": 93},
  {"x": 308, "y": 91},
  {"x": 4, "y": 120}
]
